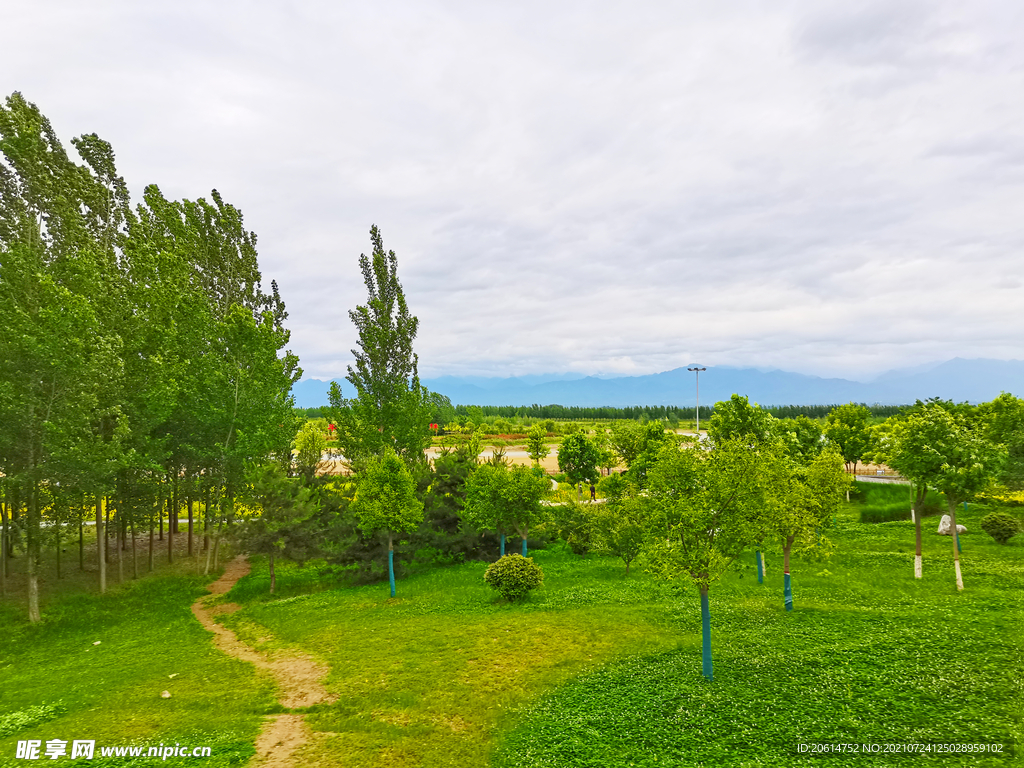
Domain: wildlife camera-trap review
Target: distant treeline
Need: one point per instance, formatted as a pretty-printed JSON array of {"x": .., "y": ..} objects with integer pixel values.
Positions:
[{"x": 635, "y": 412}]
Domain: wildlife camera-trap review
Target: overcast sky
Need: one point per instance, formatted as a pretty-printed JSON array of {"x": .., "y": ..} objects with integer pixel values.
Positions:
[{"x": 597, "y": 187}]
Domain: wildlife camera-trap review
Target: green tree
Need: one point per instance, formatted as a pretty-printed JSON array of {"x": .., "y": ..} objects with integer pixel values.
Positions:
[
  {"x": 934, "y": 447},
  {"x": 391, "y": 410},
  {"x": 505, "y": 499},
  {"x": 847, "y": 428},
  {"x": 708, "y": 506},
  {"x": 803, "y": 438},
  {"x": 535, "y": 447},
  {"x": 804, "y": 502},
  {"x": 285, "y": 527},
  {"x": 737, "y": 419},
  {"x": 386, "y": 501},
  {"x": 622, "y": 527},
  {"x": 637, "y": 444},
  {"x": 577, "y": 458},
  {"x": 310, "y": 446},
  {"x": 1002, "y": 423}
]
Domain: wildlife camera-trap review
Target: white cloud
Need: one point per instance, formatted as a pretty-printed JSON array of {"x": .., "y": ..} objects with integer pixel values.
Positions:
[{"x": 830, "y": 188}]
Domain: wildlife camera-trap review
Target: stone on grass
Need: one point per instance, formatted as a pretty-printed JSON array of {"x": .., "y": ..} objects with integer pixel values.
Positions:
[
  {"x": 946, "y": 526},
  {"x": 165, "y": 695}
]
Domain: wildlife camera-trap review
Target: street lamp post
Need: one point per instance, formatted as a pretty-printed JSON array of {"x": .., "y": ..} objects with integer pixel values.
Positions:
[{"x": 697, "y": 372}]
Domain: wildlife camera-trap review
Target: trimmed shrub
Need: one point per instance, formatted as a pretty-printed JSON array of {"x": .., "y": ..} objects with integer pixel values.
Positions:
[
  {"x": 514, "y": 575},
  {"x": 1000, "y": 526}
]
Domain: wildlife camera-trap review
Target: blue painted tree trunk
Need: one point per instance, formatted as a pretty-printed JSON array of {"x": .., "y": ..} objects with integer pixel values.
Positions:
[
  {"x": 524, "y": 546},
  {"x": 788, "y": 591},
  {"x": 760, "y": 568},
  {"x": 705, "y": 627},
  {"x": 503, "y": 545},
  {"x": 391, "y": 569}
]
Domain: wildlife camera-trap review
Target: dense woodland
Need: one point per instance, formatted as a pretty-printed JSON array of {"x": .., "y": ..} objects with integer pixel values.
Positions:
[{"x": 144, "y": 363}]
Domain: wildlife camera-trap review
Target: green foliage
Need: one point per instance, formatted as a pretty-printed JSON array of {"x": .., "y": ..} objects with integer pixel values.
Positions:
[
  {"x": 385, "y": 497},
  {"x": 805, "y": 499},
  {"x": 310, "y": 446},
  {"x": 622, "y": 527},
  {"x": 802, "y": 437},
  {"x": 1000, "y": 526},
  {"x": 391, "y": 409},
  {"x": 26, "y": 718},
  {"x": 576, "y": 524},
  {"x": 708, "y": 506},
  {"x": 933, "y": 447},
  {"x": 578, "y": 458},
  {"x": 513, "y": 576},
  {"x": 846, "y": 428},
  {"x": 1002, "y": 423},
  {"x": 737, "y": 419},
  {"x": 535, "y": 447},
  {"x": 637, "y": 445},
  {"x": 287, "y": 525},
  {"x": 505, "y": 499}
]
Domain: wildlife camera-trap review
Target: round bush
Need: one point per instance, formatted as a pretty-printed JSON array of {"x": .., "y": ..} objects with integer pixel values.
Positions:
[
  {"x": 514, "y": 575},
  {"x": 1000, "y": 526}
]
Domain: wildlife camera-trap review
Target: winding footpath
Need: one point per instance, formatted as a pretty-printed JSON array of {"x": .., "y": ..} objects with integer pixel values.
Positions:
[{"x": 298, "y": 676}]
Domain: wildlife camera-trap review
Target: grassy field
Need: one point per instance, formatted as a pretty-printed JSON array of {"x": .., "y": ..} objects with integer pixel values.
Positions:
[{"x": 595, "y": 669}]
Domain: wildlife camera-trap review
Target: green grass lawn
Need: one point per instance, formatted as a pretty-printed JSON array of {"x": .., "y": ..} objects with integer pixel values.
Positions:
[{"x": 594, "y": 669}]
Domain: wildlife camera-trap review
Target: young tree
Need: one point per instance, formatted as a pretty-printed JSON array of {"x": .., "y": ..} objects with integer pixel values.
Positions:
[
  {"x": 505, "y": 500},
  {"x": 708, "y": 507},
  {"x": 804, "y": 502},
  {"x": 285, "y": 527},
  {"x": 310, "y": 445},
  {"x": 737, "y": 419},
  {"x": 391, "y": 410},
  {"x": 622, "y": 527},
  {"x": 386, "y": 501},
  {"x": 847, "y": 428},
  {"x": 577, "y": 458},
  {"x": 535, "y": 447},
  {"x": 933, "y": 446}
]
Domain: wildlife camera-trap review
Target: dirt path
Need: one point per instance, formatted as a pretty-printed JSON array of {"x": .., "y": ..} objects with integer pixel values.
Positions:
[{"x": 297, "y": 676}]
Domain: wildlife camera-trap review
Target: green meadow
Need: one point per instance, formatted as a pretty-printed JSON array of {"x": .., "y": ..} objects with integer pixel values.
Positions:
[{"x": 593, "y": 669}]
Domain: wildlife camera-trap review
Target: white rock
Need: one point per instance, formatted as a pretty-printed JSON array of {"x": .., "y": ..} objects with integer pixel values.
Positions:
[
  {"x": 165, "y": 695},
  {"x": 97, "y": 642},
  {"x": 946, "y": 526}
]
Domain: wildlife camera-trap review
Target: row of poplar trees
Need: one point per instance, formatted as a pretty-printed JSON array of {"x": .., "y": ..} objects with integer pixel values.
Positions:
[{"x": 141, "y": 355}]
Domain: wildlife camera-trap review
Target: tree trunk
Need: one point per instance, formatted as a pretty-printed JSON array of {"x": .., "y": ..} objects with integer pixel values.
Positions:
[
  {"x": 170, "y": 530},
  {"x": 81, "y": 538},
  {"x": 787, "y": 585},
  {"x": 106, "y": 530},
  {"x": 273, "y": 576},
  {"x": 502, "y": 550},
  {"x": 206, "y": 522},
  {"x": 135, "y": 556},
  {"x": 391, "y": 562},
  {"x": 524, "y": 544},
  {"x": 101, "y": 544},
  {"x": 956, "y": 549},
  {"x": 705, "y": 634},
  {"x": 918, "y": 568},
  {"x": 160, "y": 514},
  {"x": 172, "y": 520},
  {"x": 56, "y": 538},
  {"x": 190, "y": 524},
  {"x": 151, "y": 535},
  {"x": 33, "y": 550},
  {"x": 119, "y": 541}
]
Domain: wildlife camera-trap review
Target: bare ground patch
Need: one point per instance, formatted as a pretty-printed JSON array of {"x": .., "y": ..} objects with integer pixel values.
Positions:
[{"x": 297, "y": 675}]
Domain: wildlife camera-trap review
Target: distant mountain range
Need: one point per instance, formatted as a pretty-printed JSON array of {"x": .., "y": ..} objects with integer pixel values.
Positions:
[{"x": 958, "y": 379}]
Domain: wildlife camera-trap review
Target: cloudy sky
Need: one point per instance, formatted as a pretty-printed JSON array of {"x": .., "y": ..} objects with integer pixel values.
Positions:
[{"x": 833, "y": 188}]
